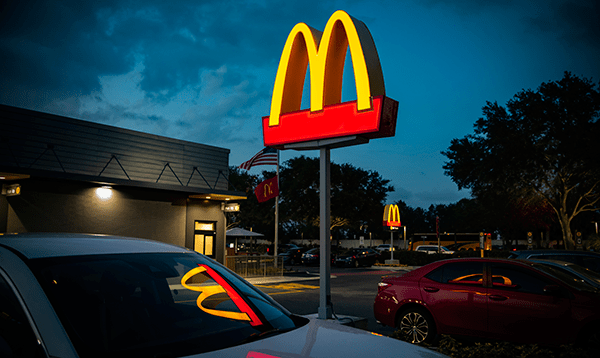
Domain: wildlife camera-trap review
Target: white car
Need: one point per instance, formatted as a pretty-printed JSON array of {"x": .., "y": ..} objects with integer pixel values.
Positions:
[
  {"x": 384, "y": 247},
  {"x": 70, "y": 295},
  {"x": 433, "y": 249}
]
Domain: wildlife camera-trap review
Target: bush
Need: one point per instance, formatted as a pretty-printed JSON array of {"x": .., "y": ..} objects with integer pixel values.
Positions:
[{"x": 455, "y": 349}]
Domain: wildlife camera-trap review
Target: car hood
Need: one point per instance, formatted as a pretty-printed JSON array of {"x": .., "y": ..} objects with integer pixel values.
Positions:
[{"x": 324, "y": 338}]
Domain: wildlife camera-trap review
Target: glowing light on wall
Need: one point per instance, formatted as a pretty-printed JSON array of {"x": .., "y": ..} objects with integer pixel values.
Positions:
[{"x": 104, "y": 192}]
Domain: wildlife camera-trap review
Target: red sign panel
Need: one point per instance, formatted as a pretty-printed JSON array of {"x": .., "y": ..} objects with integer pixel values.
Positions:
[{"x": 336, "y": 120}]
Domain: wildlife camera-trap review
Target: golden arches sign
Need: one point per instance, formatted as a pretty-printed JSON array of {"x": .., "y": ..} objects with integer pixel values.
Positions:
[
  {"x": 322, "y": 50},
  {"x": 391, "y": 216},
  {"x": 372, "y": 115}
]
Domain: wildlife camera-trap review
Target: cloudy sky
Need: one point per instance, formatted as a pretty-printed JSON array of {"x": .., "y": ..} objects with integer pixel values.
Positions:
[{"x": 203, "y": 71}]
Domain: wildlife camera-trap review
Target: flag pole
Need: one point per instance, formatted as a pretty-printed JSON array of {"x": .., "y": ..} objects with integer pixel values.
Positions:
[{"x": 276, "y": 216}]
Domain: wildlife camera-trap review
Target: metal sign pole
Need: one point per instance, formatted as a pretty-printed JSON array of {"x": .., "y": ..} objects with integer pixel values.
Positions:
[
  {"x": 392, "y": 241},
  {"x": 325, "y": 309},
  {"x": 276, "y": 241}
]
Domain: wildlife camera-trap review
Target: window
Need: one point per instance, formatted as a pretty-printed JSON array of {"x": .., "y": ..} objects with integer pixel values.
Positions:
[
  {"x": 133, "y": 305},
  {"x": 17, "y": 338},
  {"x": 204, "y": 237},
  {"x": 592, "y": 263},
  {"x": 470, "y": 273},
  {"x": 520, "y": 279}
]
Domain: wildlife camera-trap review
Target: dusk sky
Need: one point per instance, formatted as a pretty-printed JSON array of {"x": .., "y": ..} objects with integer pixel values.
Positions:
[{"x": 203, "y": 71}]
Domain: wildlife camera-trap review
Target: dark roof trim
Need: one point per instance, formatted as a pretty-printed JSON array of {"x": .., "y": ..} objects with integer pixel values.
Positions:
[{"x": 120, "y": 182}]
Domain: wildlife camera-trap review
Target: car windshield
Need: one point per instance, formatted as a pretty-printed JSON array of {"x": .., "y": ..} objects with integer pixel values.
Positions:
[{"x": 130, "y": 305}]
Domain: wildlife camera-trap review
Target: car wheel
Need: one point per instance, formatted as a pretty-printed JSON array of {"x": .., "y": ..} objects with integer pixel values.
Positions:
[
  {"x": 417, "y": 326},
  {"x": 356, "y": 264}
]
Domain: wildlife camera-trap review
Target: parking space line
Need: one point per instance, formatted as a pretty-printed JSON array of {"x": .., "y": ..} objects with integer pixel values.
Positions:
[{"x": 284, "y": 288}]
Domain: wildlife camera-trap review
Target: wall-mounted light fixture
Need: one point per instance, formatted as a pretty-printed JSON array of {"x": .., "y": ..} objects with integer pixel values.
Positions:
[
  {"x": 11, "y": 189},
  {"x": 104, "y": 192},
  {"x": 230, "y": 207}
]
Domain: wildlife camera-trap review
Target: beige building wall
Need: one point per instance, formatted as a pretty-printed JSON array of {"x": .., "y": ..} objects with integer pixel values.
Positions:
[{"x": 76, "y": 207}]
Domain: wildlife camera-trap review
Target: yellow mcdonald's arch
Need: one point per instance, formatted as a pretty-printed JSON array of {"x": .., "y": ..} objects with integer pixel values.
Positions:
[
  {"x": 326, "y": 50},
  {"x": 391, "y": 216},
  {"x": 268, "y": 189},
  {"x": 246, "y": 313}
]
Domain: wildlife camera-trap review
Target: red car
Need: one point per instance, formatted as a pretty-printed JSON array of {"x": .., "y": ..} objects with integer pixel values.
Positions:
[{"x": 497, "y": 299}]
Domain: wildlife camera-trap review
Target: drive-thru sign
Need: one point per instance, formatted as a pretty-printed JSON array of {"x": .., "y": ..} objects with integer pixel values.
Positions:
[{"x": 328, "y": 123}]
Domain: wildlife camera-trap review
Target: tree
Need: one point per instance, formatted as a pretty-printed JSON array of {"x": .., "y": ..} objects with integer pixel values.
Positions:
[
  {"x": 357, "y": 196},
  {"x": 252, "y": 215},
  {"x": 543, "y": 147}
]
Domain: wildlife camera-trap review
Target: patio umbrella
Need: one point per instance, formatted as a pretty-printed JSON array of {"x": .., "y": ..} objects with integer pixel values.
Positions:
[{"x": 237, "y": 232}]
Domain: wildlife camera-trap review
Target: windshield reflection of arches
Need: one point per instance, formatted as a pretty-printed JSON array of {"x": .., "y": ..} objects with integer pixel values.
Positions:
[{"x": 212, "y": 295}]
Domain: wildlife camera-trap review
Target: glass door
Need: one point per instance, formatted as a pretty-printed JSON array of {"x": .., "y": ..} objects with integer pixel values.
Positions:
[{"x": 204, "y": 237}]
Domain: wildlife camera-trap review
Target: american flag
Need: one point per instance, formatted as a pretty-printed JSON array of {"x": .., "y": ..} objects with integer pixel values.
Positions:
[{"x": 267, "y": 156}]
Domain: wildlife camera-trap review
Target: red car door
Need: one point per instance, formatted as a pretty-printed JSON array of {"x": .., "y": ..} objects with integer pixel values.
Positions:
[
  {"x": 456, "y": 297},
  {"x": 520, "y": 310}
]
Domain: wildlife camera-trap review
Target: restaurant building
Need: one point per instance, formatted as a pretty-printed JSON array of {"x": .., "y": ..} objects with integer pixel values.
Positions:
[{"x": 61, "y": 174}]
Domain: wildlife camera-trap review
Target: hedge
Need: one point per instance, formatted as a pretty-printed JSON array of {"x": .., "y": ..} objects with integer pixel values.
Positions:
[{"x": 467, "y": 349}]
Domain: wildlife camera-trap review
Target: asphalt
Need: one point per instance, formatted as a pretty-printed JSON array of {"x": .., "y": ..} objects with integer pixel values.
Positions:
[{"x": 293, "y": 276}]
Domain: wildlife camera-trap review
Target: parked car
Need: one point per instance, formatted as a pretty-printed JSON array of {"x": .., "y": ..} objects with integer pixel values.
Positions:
[
  {"x": 498, "y": 299},
  {"x": 292, "y": 256},
  {"x": 285, "y": 247},
  {"x": 384, "y": 247},
  {"x": 575, "y": 271},
  {"x": 69, "y": 296},
  {"x": 433, "y": 249},
  {"x": 587, "y": 259},
  {"x": 312, "y": 257},
  {"x": 357, "y": 257},
  {"x": 280, "y": 248}
]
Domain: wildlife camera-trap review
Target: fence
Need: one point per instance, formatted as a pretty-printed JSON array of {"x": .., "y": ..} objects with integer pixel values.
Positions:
[{"x": 253, "y": 266}]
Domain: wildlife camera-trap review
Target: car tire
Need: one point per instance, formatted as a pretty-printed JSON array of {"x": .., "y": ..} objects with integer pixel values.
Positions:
[
  {"x": 416, "y": 326},
  {"x": 356, "y": 264}
]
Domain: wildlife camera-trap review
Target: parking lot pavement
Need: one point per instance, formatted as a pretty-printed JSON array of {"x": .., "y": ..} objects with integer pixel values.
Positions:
[
  {"x": 264, "y": 280},
  {"x": 300, "y": 275}
]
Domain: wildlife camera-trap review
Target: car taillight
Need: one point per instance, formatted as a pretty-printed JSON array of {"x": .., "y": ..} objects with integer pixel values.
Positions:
[{"x": 382, "y": 286}]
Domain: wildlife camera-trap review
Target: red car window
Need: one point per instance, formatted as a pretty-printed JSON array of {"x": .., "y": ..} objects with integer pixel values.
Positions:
[
  {"x": 470, "y": 273},
  {"x": 518, "y": 278}
]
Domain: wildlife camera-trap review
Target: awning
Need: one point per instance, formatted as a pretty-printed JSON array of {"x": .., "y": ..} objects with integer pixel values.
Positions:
[{"x": 236, "y": 231}]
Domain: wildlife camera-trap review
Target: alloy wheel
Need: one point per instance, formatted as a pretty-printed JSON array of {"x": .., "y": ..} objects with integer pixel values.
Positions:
[{"x": 415, "y": 327}]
